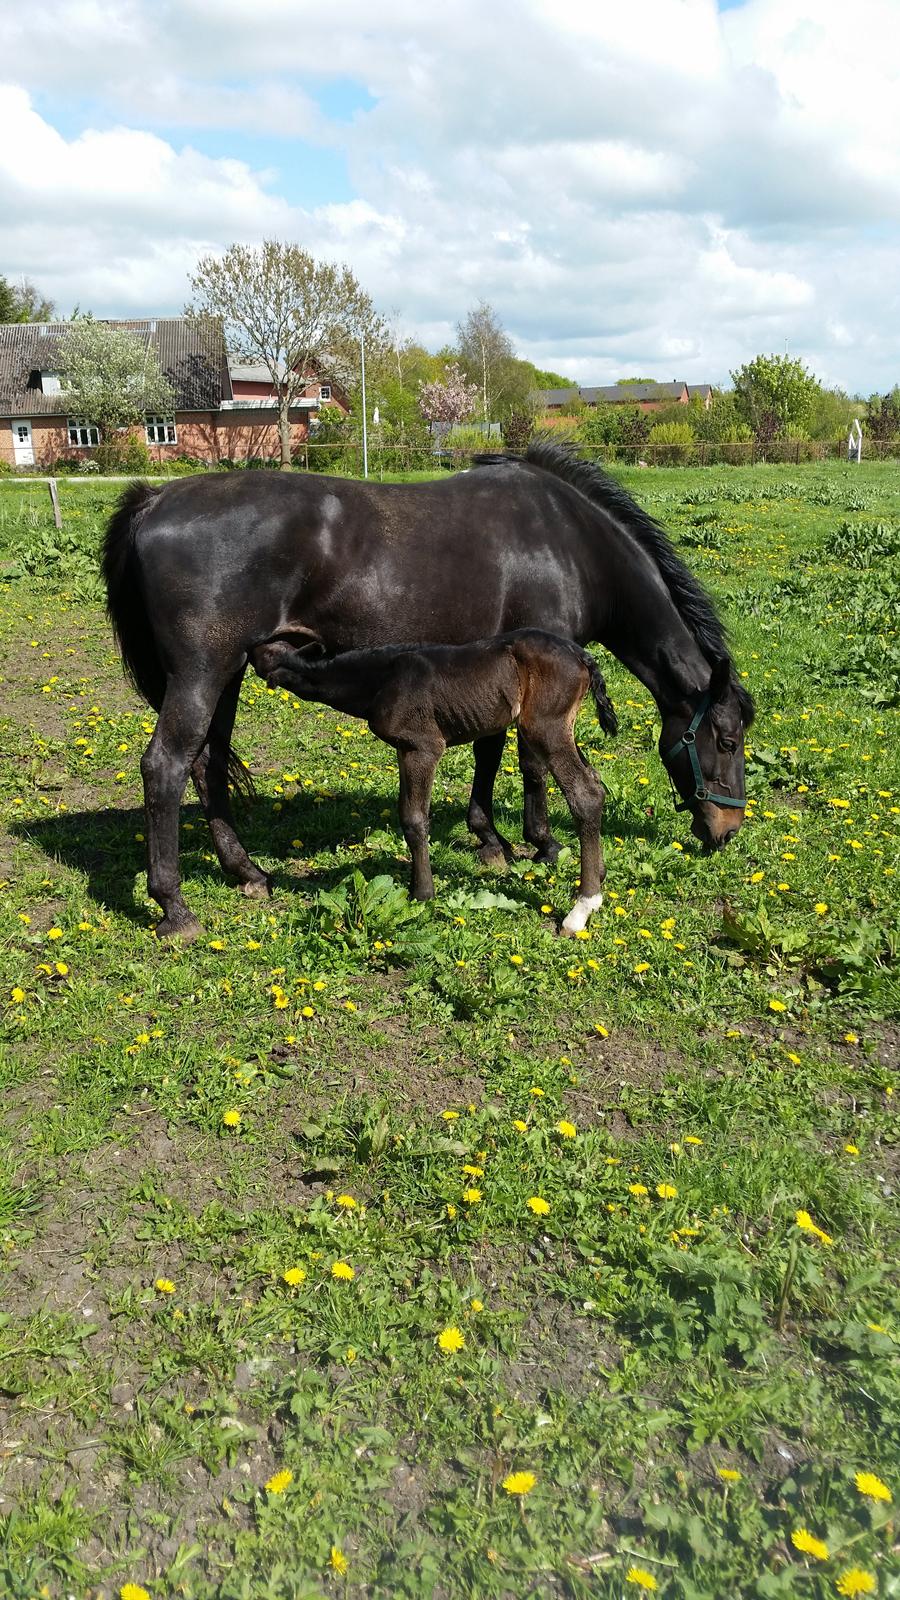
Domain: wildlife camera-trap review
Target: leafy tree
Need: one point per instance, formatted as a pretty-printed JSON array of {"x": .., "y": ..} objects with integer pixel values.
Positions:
[
  {"x": 720, "y": 423},
  {"x": 448, "y": 402},
  {"x": 485, "y": 355},
  {"x": 111, "y": 377},
  {"x": 883, "y": 416},
  {"x": 544, "y": 379},
  {"x": 774, "y": 395},
  {"x": 23, "y": 303},
  {"x": 831, "y": 414},
  {"x": 294, "y": 315}
]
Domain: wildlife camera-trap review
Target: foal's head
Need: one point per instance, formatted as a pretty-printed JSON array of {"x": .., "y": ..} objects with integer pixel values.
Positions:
[{"x": 702, "y": 747}]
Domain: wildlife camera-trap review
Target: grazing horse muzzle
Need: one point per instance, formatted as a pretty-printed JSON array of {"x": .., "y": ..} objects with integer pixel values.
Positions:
[{"x": 714, "y": 826}]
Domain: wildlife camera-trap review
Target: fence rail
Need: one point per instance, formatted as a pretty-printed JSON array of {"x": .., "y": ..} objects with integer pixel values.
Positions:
[{"x": 346, "y": 458}]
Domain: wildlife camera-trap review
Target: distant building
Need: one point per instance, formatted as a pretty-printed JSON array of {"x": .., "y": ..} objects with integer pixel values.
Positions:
[
  {"x": 647, "y": 396},
  {"x": 224, "y": 410}
]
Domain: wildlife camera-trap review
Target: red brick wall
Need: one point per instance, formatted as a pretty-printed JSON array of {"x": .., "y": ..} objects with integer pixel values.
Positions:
[{"x": 211, "y": 436}]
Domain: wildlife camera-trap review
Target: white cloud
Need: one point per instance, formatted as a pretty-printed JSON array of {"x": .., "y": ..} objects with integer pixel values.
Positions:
[{"x": 645, "y": 187}]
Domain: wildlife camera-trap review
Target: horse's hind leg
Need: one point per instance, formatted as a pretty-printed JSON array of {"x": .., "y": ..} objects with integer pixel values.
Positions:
[
  {"x": 495, "y": 850},
  {"x": 536, "y": 826},
  {"x": 584, "y": 797},
  {"x": 181, "y": 732},
  {"x": 210, "y": 775}
]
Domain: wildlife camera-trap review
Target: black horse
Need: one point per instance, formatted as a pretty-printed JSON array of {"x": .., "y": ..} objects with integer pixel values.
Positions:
[{"x": 202, "y": 571}]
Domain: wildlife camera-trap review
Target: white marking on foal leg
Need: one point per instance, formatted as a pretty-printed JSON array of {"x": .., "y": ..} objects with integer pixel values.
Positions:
[{"x": 580, "y": 912}]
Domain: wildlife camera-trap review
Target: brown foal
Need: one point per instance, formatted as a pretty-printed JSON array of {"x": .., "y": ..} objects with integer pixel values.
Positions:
[{"x": 422, "y": 698}]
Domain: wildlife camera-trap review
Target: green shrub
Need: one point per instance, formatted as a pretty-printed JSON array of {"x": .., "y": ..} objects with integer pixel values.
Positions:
[{"x": 672, "y": 442}]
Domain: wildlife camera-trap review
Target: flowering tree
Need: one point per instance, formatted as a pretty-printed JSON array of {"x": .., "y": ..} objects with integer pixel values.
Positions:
[
  {"x": 110, "y": 376},
  {"x": 448, "y": 403}
]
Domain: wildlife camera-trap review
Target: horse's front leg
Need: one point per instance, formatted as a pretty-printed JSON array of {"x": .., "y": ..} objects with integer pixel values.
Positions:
[
  {"x": 417, "y": 768},
  {"x": 584, "y": 795},
  {"x": 536, "y": 827},
  {"x": 495, "y": 850},
  {"x": 181, "y": 732}
]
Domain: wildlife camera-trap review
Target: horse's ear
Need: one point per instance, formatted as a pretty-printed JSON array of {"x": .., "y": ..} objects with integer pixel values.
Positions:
[{"x": 720, "y": 681}]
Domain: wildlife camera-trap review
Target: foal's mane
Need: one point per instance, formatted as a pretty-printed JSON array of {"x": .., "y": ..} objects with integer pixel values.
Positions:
[{"x": 690, "y": 599}]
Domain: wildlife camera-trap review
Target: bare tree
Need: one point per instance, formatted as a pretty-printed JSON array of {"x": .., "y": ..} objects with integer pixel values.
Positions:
[{"x": 296, "y": 316}]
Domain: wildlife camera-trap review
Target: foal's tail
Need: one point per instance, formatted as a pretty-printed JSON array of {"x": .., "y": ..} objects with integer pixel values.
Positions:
[
  {"x": 128, "y": 613},
  {"x": 124, "y": 597},
  {"x": 609, "y": 722}
]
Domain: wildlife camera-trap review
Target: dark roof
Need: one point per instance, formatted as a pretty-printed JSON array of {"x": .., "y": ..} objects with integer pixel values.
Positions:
[
  {"x": 614, "y": 394},
  {"x": 191, "y": 355}
]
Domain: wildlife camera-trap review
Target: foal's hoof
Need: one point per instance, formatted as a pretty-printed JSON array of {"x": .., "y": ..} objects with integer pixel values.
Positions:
[
  {"x": 185, "y": 928},
  {"x": 493, "y": 857},
  {"x": 548, "y": 852},
  {"x": 257, "y": 888}
]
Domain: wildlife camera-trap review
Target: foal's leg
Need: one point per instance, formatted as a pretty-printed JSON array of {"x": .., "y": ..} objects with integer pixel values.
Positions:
[
  {"x": 495, "y": 850},
  {"x": 210, "y": 775},
  {"x": 584, "y": 796},
  {"x": 417, "y": 768},
  {"x": 536, "y": 828},
  {"x": 181, "y": 732}
]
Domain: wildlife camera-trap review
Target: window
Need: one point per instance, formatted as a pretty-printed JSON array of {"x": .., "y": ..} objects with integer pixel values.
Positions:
[
  {"x": 161, "y": 430},
  {"x": 324, "y": 391},
  {"x": 83, "y": 434}
]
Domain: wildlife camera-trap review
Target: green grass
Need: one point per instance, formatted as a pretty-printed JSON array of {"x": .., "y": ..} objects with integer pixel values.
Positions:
[{"x": 724, "y": 1044}]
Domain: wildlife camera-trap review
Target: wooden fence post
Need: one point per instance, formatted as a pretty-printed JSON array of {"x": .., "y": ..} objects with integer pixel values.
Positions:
[{"x": 54, "y": 497}]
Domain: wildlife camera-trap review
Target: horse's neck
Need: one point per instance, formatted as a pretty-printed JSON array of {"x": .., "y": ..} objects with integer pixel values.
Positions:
[{"x": 644, "y": 630}]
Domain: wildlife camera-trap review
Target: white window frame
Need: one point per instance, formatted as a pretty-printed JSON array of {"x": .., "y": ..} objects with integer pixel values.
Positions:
[
  {"x": 83, "y": 435},
  {"x": 324, "y": 391},
  {"x": 160, "y": 429}
]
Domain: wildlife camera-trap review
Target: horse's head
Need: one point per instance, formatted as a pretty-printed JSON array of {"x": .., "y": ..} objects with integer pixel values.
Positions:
[{"x": 702, "y": 747}]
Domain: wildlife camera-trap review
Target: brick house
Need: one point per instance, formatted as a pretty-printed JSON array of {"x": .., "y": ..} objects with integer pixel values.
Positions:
[
  {"x": 224, "y": 410},
  {"x": 646, "y": 396}
]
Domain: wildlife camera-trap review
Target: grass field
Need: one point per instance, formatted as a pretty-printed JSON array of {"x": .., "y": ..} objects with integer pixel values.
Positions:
[{"x": 367, "y": 1249}]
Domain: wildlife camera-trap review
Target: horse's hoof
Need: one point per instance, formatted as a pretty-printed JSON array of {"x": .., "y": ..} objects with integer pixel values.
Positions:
[
  {"x": 548, "y": 853},
  {"x": 257, "y": 889},
  {"x": 185, "y": 928},
  {"x": 492, "y": 856}
]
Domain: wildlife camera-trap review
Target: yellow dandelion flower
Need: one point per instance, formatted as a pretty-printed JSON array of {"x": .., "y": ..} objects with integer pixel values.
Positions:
[
  {"x": 820, "y": 908},
  {"x": 538, "y": 1205},
  {"x": 449, "y": 1116},
  {"x": 343, "y": 1271},
  {"x": 856, "y": 1581},
  {"x": 777, "y": 1005},
  {"x": 546, "y": 910},
  {"x": 217, "y": 944},
  {"x": 666, "y": 1191},
  {"x": 477, "y": 1305},
  {"x": 279, "y": 1481},
  {"x": 805, "y": 1222},
  {"x": 516, "y": 961},
  {"x": 808, "y": 1544},
  {"x": 519, "y": 1483},
  {"x": 472, "y": 1197},
  {"x": 338, "y": 1561},
  {"x": 473, "y": 1172},
  {"x": 535, "y": 1090},
  {"x": 451, "y": 1340},
  {"x": 133, "y": 1591},
  {"x": 281, "y": 1002},
  {"x": 308, "y": 1011},
  {"x": 566, "y": 1130},
  {"x": 293, "y": 1275},
  {"x": 17, "y": 995},
  {"x": 729, "y": 1474},
  {"x": 872, "y": 1487},
  {"x": 451, "y": 1211},
  {"x": 231, "y": 1118},
  {"x": 691, "y": 1138},
  {"x": 54, "y": 933},
  {"x": 852, "y": 1149},
  {"x": 164, "y": 1285},
  {"x": 638, "y": 1189},
  {"x": 520, "y": 1126},
  {"x": 642, "y": 1576},
  {"x": 346, "y": 1201}
]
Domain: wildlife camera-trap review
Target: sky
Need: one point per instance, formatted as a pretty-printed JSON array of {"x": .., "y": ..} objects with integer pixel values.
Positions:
[{"x": 658, "y": 188}]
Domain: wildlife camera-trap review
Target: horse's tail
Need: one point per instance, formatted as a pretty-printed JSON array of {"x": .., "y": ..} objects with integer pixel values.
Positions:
[
  {"x": 124, "y": 597},
  {"x": 609, "y": 722},
  {"x": 128, "y": 613}
]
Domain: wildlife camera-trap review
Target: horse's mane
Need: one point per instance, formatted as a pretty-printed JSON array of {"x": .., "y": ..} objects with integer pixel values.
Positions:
[{"x": 693, "y": 604}]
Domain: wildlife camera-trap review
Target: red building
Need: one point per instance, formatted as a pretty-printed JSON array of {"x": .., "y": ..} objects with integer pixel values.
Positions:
[{"x": 224, "y": 410}]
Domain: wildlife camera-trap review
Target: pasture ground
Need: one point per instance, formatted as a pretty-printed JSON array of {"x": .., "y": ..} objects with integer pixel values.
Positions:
[{"x": 254, "y": 1192}]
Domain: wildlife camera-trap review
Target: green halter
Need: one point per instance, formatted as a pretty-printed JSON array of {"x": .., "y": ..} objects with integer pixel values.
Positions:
[{"x": 688, "y": 742}]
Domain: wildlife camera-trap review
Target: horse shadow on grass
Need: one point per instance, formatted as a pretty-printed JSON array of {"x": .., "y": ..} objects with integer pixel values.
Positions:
[{"x": 107, "y": 847}]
